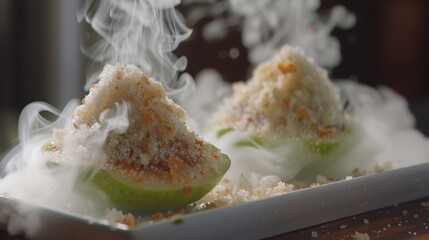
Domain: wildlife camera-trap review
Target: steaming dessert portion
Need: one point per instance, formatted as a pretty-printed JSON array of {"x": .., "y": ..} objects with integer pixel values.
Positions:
[
  {"x": 288, "y": 115},
  {"x": 151, "y": 160},
  {"x": 287, "y": 96},
  {"x": 288, "y": 128}
]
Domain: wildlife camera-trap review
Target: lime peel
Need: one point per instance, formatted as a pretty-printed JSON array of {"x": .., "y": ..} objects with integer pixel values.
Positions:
[{"x": 135, "y": 195}]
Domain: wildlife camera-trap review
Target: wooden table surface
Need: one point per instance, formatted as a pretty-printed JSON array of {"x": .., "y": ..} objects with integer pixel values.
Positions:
[{"x": 405, "y": 221}]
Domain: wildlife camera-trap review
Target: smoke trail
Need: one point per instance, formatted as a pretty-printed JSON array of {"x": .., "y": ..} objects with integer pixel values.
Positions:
[
  {"x": 268, "y": 25},
  {"x": 33, "y": 130},
  {"x": 140, "y": 32},
  {"x": 295, "y": 22},
  {"x": 25, "y": 171}
]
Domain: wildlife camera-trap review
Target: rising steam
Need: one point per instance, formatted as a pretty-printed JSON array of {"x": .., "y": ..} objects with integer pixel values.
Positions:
[
  {"x": 267, "y": 25},
  {"x": 141, "y": 32}
]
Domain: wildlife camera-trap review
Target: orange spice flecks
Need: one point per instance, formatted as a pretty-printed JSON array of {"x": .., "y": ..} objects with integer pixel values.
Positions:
[
  {"x": 169, "y": 129},
  {"x": 176, "y": 166},
  {"x": 302, "y": 113},
  {"x": 169, "y": 214},
  {"x": 130, "y": 220},
  {"x": 148, "y": 118},
  {"x": 326, "y": 132},
  {"x": 198, "y": 142},
  {"x": 285, "y": 102},
  {"x": 187, "y": 190},
  {"x": 286, "y": 68},
  {"x": 129, "y": 166},
  {"x": 210, "y": 205},
  {"x": 157, "y": 216},
  {"x": 215, "y": 156}
]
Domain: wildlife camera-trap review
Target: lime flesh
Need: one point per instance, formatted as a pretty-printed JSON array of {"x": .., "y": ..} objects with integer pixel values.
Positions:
[
  {"x": 139, "y": 196},
  {"x": 322, "y": 148}
]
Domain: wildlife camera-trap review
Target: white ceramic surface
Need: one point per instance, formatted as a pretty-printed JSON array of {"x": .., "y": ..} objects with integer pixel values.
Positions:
[{"x": 253, "y": 220}]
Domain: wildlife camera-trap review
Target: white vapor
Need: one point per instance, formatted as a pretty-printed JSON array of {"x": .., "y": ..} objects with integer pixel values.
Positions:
[{"x": 140, "y": 32}]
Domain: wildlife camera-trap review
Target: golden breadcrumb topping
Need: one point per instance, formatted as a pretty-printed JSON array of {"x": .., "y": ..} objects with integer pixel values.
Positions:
[
  {"x": 286, "y": 96},
  {"x": 156, "y": 147}
]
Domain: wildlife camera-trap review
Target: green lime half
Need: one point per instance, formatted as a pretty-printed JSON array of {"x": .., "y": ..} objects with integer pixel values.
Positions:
[
  {"x": 134, "y": 195},
  {"x": 320, "y": 147},
  {"x": 155, "y": 196}
]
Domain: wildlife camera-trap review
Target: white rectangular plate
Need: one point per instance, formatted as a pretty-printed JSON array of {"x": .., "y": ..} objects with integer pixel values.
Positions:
[{"x": 252, "y": 220}]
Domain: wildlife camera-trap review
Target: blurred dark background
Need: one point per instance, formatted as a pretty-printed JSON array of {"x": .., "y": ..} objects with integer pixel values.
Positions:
[{"x": 40, "y": 57}]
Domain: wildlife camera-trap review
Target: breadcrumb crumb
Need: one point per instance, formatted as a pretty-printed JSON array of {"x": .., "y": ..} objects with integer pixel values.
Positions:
[
  {"x": 360, "y": 236},
  {"x": 117, "y": 216}
]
